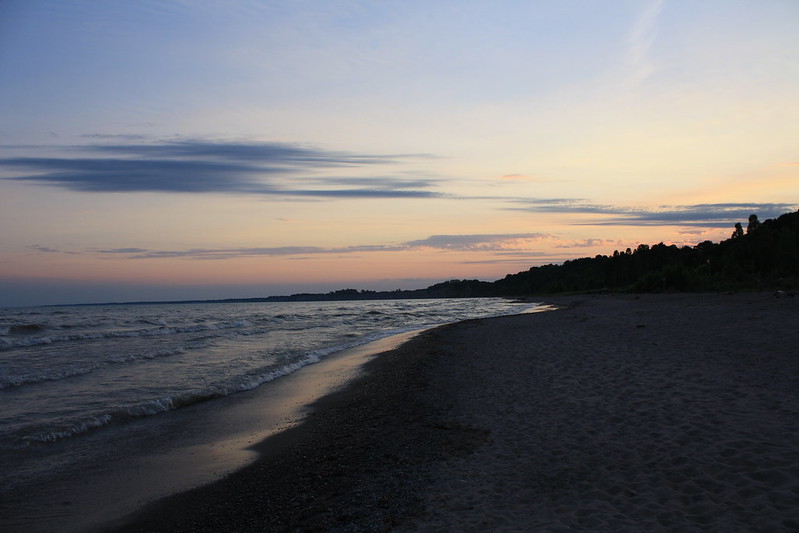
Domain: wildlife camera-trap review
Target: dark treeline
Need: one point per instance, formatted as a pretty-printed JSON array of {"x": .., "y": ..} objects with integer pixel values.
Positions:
[
  {"x": 447, "y": 289},
  {"x": 763, "y": 256}
]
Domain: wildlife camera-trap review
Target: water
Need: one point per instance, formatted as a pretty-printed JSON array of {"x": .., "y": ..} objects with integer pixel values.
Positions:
[{"x": 68, "y": 371}]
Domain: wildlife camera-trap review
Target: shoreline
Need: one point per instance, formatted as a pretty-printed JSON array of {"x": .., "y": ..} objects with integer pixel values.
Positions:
[{"x": 668, "y": 412}]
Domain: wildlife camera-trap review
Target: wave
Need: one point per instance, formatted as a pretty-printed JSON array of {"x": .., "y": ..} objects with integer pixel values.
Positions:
[
  {"x": 24, "y": 342},
  {"x": 76, "y": 428},
  {"x": 79, "y": 369},
  {"x": 35, "y": 328},
  {"x": 47, "y": 375},
  {"x": 56, "y": 374},
  {"x": 25, "y": 329}
]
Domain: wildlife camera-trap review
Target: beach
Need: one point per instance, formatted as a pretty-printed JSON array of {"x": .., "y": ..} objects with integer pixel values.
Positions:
[{"x": 611, "y": 413}]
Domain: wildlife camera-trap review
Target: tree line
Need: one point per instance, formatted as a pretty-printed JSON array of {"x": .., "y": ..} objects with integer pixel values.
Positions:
[{"x": 765, "y": 256}]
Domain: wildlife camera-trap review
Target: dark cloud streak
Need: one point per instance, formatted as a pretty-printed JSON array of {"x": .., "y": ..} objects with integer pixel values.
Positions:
[
  {"x": 700, "y": 215},
  {"x": 270, "y": 153},
  {"x": 474, "y": 242},
  {"x": 122, "y": 175},
  {"x": 276, "y": 169},
  {"x": 508, "y": 243}
]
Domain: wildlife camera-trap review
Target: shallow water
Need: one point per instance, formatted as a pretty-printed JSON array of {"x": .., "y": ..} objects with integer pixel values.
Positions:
[{"x": 65, "y": 371}]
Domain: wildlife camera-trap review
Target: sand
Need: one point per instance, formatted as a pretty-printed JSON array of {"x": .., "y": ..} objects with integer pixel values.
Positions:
[{"x": 613, "y": 413}]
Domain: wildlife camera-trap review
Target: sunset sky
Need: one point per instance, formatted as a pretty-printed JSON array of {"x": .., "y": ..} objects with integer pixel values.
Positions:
[{"x": 159, "y": 150}]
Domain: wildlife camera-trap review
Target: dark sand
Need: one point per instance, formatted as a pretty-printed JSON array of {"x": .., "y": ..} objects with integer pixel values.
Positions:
[{"x": 651, "y": 413}]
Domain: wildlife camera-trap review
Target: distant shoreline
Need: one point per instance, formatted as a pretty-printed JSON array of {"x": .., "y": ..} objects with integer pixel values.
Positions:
[{"x": 363, "y": 296}]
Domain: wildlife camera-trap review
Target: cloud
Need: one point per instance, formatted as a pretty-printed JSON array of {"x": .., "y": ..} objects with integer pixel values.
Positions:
[
  {"x": 381, "y": 181},
  {"x": 44, "y": 249},
  {"x": 638, "y": 65},
  {"x": 124, "y": 251},
  {"x": 482, "y": 243},
  {"x": 228, "y": 253},
  {"x": 198, "y": 166},
  {"x": 271, "y": 153},
  {"x": 710, "y": 215},
  {"x": 124, "y": 175},
  {"x": 506, "y": 244},
  {"x": 702, "y": 215},
  {"x": 119, "y": 136},
  {"x": 48, "y": 250}
]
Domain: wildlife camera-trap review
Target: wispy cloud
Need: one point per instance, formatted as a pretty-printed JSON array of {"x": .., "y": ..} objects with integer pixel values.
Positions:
[
  {"x": 200, "y": 166},
  {"x": 43, "y": 249},
  {"x": 268, "y": 154},
  {"x": 125, "y": 251},
  {"x": 210, "y": 253},
  {"x": 502, "y": 243},
  {"x": 117, "y": 136},
  {"x": 704, "y": 215},
  {"x": 49, "y": 250},
  {"x": 638, "y": 65},
  {"x": 482, "y": 243}
]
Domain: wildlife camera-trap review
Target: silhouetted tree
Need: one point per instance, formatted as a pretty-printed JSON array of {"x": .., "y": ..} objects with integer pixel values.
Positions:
[
  {"x": 738, "y": 232},
  {"x": 754, "y": 223}
]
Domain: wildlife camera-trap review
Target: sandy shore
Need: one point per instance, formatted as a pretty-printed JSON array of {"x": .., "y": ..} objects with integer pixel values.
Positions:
[{"x": 658, "y": 413}]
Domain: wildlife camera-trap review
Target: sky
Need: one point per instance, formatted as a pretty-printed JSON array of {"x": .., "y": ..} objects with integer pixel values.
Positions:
[{"x": 197, "y": 149}]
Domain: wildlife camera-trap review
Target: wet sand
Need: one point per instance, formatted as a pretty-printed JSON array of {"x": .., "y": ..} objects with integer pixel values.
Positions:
[{"x": 613, "y": 413}]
